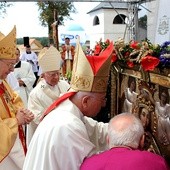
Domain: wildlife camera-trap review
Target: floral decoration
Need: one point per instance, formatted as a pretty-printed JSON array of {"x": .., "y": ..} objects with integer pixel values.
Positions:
[
  {"x": 100, "y": 46},
  {"x": 149, "y": 63},
  {"x": 165, "y": 55},
  {"x": 144, "y": 54}
]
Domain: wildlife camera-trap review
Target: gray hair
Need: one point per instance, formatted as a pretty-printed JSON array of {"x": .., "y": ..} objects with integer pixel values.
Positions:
[{"x": 125, "y": 130}]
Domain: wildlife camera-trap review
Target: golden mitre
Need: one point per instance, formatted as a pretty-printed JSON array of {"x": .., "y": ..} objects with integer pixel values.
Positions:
[
  {"x": 91, "y": 73},
  {"x": 42, "y": 52},
  {"x": 49, "y": 59},
  {"x": 1, "y": 36},
  {"x": 8, "y": 45}
]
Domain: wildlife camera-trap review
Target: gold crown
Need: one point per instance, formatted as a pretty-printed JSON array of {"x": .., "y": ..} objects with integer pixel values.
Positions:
[
  {"x": 146, "y": 106},
  {"x": 146, "y": 86},
  {"x": 91, "y": 73},
  {"x": 8, "y": 45}
]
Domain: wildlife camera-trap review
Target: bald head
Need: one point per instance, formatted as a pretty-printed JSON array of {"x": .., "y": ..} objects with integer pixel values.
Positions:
[
  {"x": 125, "y": 130},
  {"x": 122, "y": 121},
  {"x": 89, "y": 103}
]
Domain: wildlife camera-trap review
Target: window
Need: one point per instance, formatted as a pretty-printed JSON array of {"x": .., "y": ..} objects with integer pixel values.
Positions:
[
  {"x": 119, "y": 19},
  {"x": 96, "y": 20}
]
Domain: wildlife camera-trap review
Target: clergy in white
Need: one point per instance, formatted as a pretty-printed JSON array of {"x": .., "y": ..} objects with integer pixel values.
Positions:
[
  {"x": 49, "y": 88},
  {"x": 25, "y": 76},
  {"x": 66, "y": 135},
  {"x": 75, "y": 137}
]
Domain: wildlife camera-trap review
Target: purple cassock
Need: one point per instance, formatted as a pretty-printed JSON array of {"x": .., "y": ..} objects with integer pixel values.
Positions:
[{"x": 121, "y": 158}]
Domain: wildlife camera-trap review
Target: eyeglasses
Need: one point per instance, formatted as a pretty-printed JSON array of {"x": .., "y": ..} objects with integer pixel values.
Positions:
[
  {"x": 100, "y": 99},
  {"x": 18, "y": 54},
  {"x": 53, "y": 74},
  {"x": 10, "y": 65}
]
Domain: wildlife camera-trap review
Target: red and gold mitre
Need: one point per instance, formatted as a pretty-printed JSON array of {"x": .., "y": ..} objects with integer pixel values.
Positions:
[{"x": 91, "y": 73}]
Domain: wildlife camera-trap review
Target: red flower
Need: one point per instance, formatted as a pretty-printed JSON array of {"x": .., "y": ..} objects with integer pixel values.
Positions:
[
  {"x": 130, "y": 64},
  {"x": 126, "y": 55},
  {"x": 114, "y": 58},
  {"x": 135, "y": 45},
  {"x": 97, "y": 49},
  {"x": 149, "y": 63},
  {"x": 107, "y": 41}
]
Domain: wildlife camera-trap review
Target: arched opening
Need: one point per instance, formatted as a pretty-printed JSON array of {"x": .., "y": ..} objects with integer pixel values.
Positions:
[
  {"x": 96, "y": 20},
  {"x": 119, "y": 19}
]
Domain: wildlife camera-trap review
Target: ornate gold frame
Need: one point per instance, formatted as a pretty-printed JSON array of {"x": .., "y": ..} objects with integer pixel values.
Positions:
[{"x": 154, "y": 78}]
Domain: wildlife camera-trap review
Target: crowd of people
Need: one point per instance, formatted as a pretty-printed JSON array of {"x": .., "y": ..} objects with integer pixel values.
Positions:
[{"x": 47, "y": 123}]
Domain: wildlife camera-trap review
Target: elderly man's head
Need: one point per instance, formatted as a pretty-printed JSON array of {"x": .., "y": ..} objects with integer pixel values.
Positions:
[
  {"x": 50, "y": 62},
  {"x": 6, "y": 67},
  {"x": 89, "y": 103},
  {"x": 125, "y": 130},
  {"x": 7, "y": 53},
  {"x": 52, "y": 77}
]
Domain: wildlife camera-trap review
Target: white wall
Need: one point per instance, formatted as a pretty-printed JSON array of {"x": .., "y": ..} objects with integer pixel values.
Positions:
[
  {"x": 152, "y": 20},
  {"x": 106, "y": 29},
  {"x": 159, "y": 21}
]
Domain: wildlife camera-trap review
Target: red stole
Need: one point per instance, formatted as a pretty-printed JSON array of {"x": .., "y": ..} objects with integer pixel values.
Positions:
[{"x": 57, "y": 102}]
